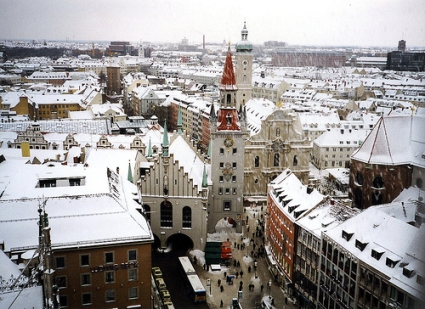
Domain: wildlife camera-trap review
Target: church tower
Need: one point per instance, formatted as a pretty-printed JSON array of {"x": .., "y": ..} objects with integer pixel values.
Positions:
[
  {"x": 243, "y": 59},
  {"x": 228, "y": 131}
]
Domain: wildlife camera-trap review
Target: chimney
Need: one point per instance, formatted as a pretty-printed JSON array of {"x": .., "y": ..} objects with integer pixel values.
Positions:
[{"x": 118, "y": 170}]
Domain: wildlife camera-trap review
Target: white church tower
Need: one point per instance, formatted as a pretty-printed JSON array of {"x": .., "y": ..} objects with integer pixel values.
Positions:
[{"x": 243, "y": 59}]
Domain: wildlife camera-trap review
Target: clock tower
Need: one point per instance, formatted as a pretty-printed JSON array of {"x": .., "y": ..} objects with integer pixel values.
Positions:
[
  {"x": 243, "y": 60},
  {"x": 228, "y": 133}
]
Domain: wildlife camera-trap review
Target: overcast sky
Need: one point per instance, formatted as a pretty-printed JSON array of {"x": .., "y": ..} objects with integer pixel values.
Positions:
[{"x": 298, "y": 22}]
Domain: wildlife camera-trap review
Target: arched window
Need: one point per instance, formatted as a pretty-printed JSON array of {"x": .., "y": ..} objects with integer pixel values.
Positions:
[
  {"x": 359, "y": 178},
  {"x": 358, "y": 198},
  {"x": 244, "y": 78},
  {"x": 277, "y": 132},
  {"x": 166, "y": 214},
  {"x": 276, "y": 160},
  {"x": 187, "y": 217},
  {"x": 257, "y": 161},
  {"x": 147, "y": 210},
  {"x": 295, "y": 161},
  {"x": 378, "y": 183},
  {"x": 228, "y": 98},
  {"x": 419, "y": 183}
]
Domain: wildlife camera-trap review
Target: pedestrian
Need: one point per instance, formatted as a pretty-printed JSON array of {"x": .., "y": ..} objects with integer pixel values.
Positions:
[
  {"x": 249, "y": 269},
  {"x": 221, "y": 303},
  {"x": 262, "y": 287},
  {"x": 237, "y": 274},
  {"x": 241, "y": 273},
  {"x": 286, "y": 300},
  {"x": 234, "y": 263},
  {"x": 225, "y": 274},
  {"x": 221, "y": 288},
  {"x": 238, "y": 264},
  {"x": 219, "y": 282},
  {"x": 247, "y": 228}
]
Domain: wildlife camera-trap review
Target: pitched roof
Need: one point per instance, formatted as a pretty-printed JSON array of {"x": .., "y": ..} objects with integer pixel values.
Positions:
[
  {"x": 228, "y": 79},
  {"x": 395, "y": 140}
]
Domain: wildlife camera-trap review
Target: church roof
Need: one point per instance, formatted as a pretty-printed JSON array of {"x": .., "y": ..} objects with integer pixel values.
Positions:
[
  {"x": 228, "y": 80},
  {"x": 395, "y": 140}
]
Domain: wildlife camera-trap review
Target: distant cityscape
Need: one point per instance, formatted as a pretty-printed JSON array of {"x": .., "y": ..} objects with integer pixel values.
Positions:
[{"x": 117, "y": 158}]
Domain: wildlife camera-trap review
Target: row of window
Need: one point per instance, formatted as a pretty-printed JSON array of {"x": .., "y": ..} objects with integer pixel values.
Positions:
[
  {"x": 227, "y": 190},
  {"x": 109, "y": 258},
  {"x": 110, "y": 296},
  {"x": 86, "y": 278},
  {"x": 234, "y": 151}
]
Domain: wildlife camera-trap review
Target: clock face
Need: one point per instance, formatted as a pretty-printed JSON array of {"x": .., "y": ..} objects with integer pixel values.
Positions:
[
  {"x": 228, "y": 142},
  {"x": 245, "y": 63}
]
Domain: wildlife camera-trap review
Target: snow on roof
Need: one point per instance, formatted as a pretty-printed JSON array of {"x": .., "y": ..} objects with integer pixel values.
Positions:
[
  {"x": 291, "y": 196},
  {"x": 395, "y": 140},
  {"x": 326, "y": 216},
  {"x": 341, "y": 137},
  {"x": 390, "y": 236},
  {"x": 258, "y": 110},
  {"x": 31, "y": 297},
  {"x": 189, "y": 160},
  {"x": 77, "y": 213}
]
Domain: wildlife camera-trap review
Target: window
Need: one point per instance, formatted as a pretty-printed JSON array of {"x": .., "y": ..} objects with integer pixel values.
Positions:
[
  {"x": 419, "y": 183},
  {"x": 257, "y": 161},
  {"x": 166, "y": 214},
  {"x": 60, "y": 262},
  {"x": 85, "y": 279},
  {"x": 221, "y": 178},
  {"x": 378, "y": 182},
  {"x": 235, "y": 190},
  {"x": 110, "y": 295},
  {"x": 346, "y": 236},
  {"x": 61, "y": 281},
  {"x": 233, "y": 178},
  {"x": 187, "y": 217},
  {"x": 227, "y": 190},
  {"x": 360, "y": 245},
  {"x": 227, "y": 205},
  {"x": 277, "y": 132},
  {"x": 234, "y": 151},
  {"x": 295, "y": 161},
  {"x": 222, "y": 151},
  {"x": 132, "y": 255},
  {"x": 109, "y": 276},
  {"x": 86, "y": 298},
  {"x": 234, "y": 165},
  {"x": 133, "y": 292},
  {"x": 276, "y": 160},
  {"x": 132, "y": 274},
  {"x": 109, "y": 257},
  {"x": 84, "y": 260},
  {"x": 221, "y": 164},
  {"x": 375, "y": 254},
  {"x": 220, "y": 190},
  {"x": 63, "y": 301}
]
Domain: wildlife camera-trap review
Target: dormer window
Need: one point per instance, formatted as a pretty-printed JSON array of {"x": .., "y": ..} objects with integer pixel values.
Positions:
[
  {"x": 376, "y": 254},
  {"x": 347, "y": 236},
  {"x": 360, "y": 245},
  {"x": 391, "y": 262},
  {"x": 408, "y": 271}
]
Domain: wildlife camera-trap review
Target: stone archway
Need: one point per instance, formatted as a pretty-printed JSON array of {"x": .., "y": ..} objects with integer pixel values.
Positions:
[{"x": 180, "y": 242}]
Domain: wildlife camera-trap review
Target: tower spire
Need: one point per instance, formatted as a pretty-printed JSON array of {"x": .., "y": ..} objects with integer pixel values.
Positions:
[{"x": 165, "y": 143}]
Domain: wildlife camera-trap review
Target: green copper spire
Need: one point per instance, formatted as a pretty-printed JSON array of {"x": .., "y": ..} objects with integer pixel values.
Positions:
[
  {"x": 204, "y": 178},
  {"x": 209, "y": 149},
  {"x": 130, "y": 174},
  {"x": 165, "y": 141},
  {"x": 179, "y": 121},
  {"x": 149, "y": 149}
]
